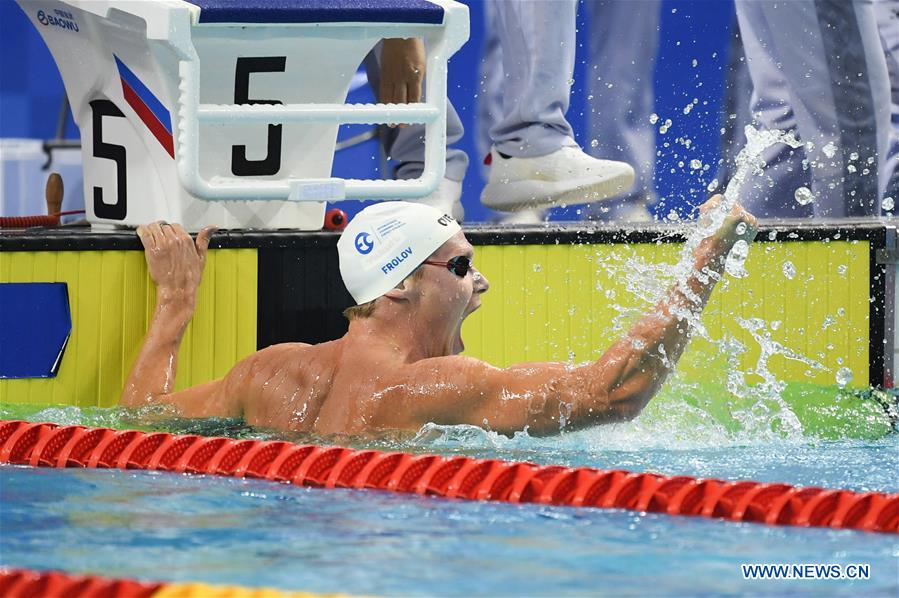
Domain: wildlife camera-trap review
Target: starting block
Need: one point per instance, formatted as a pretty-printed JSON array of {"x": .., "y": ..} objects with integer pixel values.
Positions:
[{"x": 226, "y": 112}]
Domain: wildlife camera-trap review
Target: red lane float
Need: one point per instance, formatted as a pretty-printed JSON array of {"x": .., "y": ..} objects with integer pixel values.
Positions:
[
  {"x": 51, "y": 445},
  {"x": 22, "y": 583},
  {"x": 18, "y": 583}
]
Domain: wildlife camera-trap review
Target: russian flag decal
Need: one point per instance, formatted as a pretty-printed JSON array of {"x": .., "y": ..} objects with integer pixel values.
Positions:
[{"x": 147, "y": 106}]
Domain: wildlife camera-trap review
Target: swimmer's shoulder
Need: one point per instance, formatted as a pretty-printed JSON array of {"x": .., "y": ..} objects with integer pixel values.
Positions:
[{"x": 292, "y": 352}]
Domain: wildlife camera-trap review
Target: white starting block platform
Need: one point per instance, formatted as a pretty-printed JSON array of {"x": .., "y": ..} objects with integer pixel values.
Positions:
[{"x": 226, "y": 112}]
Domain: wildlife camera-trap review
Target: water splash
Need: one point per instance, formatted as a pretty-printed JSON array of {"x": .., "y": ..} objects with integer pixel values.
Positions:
[
  {"x": 648, "y": 282},
  {"x": 803, "y": 196}
]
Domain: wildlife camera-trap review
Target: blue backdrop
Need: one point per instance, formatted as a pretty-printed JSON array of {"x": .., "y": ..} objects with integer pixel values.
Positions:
[{"x": 31, "y": 92}]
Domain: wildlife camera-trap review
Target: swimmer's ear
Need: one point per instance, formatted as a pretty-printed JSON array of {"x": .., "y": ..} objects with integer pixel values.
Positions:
[{"x": 400, "y": 292}]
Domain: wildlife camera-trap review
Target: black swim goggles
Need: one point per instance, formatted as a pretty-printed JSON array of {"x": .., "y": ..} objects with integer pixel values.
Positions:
[{"x": 459, "y": 265}]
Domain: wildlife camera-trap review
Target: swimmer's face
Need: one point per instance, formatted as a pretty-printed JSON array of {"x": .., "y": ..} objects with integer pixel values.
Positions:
[{"x": 447, "y": 297}]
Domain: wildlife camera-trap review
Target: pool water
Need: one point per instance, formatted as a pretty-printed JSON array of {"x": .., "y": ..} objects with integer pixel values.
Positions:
[
  {"x": 152, "y": 526},
  {"x": 160, "y": 526}
]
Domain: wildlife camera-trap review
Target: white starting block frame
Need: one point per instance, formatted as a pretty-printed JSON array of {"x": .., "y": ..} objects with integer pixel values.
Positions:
[{"x": 168, "y": 95}]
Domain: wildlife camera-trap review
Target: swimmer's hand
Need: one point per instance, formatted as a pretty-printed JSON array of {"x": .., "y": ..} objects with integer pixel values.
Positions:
[
  {"x": 402, "y": 71},
  {"x": 174, "y": 259},
  {"x": 738, "y": 224}
]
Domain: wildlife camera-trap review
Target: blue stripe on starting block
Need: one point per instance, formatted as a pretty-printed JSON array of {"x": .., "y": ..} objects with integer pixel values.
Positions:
[
  {"x": 146, "y": 96},
  {"x": 319, "y": 11}
]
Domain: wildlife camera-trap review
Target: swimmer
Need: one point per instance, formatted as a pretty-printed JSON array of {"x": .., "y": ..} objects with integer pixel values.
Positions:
[{"x": 398, "y": 367}]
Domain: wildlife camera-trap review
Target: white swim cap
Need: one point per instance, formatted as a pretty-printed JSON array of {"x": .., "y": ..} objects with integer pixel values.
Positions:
[{"x": 385, "y": 242}]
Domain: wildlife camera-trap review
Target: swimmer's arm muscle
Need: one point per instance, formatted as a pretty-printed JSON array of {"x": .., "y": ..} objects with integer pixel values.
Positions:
[
  {"x": 219, "y": 398},
  {"x": 616, "y": 387},
  {"x": 175, "y": 263},
  {"x": 543, "y": 396},
  {"x": 152, "y": 378}
]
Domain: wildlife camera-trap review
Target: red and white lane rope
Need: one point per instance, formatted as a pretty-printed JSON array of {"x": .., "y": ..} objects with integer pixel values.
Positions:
[{"x": 51, "y": 445}]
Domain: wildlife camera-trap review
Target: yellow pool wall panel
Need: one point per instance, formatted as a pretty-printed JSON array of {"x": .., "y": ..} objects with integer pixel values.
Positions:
[
  {"x": 111, "y": 299},
  {"x": 569, "y": 302},
  {"x": 549, "y": 302}
]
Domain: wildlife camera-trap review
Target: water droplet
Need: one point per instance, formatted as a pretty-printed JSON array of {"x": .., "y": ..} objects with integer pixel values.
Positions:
[
  {"x": 594, "y": 142},
  {"x": 695, "y": 164},
  {"x": 736, "y": 260},
  {"x": 828, "y": 322},
  {"x": 888, "y": 204},
  {"x": 673, "y": 216},
  {"x": 741, "y": 229},
  {"x": 695, "y": 62},
  {"x": 844, "y": 376},
  {"x": 570, "y": 82},
  {"x": 830, "y": 149},
  {"x": 537, "y": 267},
  {"x": 772, "y": 235},
  {"x": 841, "y": 269},
  {"x": 712, "y": 186},
  {"x": 653, "y": 118},
  {"x": 850, "y": 168},
  {"x": 803, "y": 196},
  {"x": 789, "y": 270},
  {"x": 853, "y": 156}
]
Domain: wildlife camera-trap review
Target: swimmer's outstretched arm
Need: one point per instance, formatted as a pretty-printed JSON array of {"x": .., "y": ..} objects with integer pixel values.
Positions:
[
  {"x": 616, "y": 387},
  {"x": 176, "y": 265}
]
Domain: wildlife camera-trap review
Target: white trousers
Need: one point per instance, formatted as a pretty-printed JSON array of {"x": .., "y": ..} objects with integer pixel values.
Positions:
[{"x": 818, "y": 69}]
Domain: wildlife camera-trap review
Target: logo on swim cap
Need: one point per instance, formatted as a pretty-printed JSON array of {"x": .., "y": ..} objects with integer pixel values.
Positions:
[
  {"x": 42, "y": 18},
  {"x": 364, "y": 244},
  {"x": 386, "y": 242}
]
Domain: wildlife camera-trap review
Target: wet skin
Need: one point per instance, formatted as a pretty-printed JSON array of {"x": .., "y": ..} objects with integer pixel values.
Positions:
[{"x": 401, "y": 368}]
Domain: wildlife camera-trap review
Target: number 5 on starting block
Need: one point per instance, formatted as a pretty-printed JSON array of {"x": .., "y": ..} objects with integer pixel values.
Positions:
[{"x": 226, "y": 112}]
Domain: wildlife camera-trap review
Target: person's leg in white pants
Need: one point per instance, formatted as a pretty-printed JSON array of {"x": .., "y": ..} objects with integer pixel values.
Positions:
[
  {"x": 535, "y": 161},
  {"x": 827, "y": 54},
  {"x": 624, "y": 40},
  {"x": 888, "y": 25}
]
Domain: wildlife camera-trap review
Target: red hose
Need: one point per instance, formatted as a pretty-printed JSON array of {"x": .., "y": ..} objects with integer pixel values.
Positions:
[
  {"x": 50, "y": 445},
  {"x": 34, "y": 221}
]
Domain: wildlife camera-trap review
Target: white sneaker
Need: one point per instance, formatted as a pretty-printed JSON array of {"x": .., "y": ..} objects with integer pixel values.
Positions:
[
  {"x": 567, "y": 176},
  {"x": 447, "y": 198}
]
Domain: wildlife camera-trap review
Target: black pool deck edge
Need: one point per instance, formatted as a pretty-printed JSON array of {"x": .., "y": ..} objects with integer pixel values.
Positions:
[{"x": 84, "y": 238}]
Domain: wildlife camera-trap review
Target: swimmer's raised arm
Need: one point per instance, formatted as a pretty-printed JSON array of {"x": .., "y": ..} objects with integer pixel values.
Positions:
[
  {"x": 616, "y": 387},
  {"x": 175, "y": 263}
]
